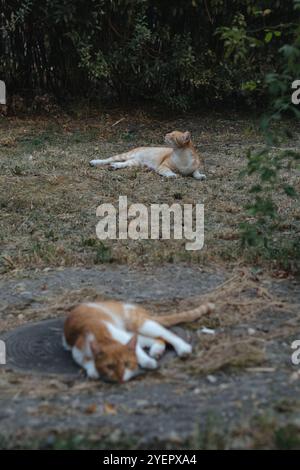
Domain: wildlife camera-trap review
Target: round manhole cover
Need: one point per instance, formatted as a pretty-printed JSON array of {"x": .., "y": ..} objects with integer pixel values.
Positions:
[{"x": 37, "y": 347}]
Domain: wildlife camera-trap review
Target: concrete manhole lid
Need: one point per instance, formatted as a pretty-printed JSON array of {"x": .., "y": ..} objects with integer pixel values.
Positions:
[{"x": 37, "y": 348}]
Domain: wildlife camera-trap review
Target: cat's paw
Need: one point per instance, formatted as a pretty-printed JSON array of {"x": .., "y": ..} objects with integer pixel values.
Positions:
[
  {"x": 157, "y": 349},
  {"x": 117, "y": 165},
  {"x": 184, "y": 349},
  {"x": 95, "y": 162},
  {"x": 199, "y": 176},
  {"x": 150, "y": 364},
  {"x": 91, "y": 370}
]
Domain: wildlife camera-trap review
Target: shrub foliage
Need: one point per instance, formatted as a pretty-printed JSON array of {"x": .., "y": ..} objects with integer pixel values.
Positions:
[{"x": 175, "y": 52}]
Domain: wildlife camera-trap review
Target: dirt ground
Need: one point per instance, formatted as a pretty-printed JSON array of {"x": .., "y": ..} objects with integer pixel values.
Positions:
[{"x": 239, "y": 389}]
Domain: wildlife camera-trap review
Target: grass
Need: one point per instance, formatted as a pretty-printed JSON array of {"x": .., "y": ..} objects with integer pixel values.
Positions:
[
  {"x": 263, "y": 432},
  {"x": 51, "y": 195}
]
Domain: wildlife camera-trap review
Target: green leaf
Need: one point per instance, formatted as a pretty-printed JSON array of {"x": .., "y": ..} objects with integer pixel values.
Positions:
[{"x": 268, "y": 37}]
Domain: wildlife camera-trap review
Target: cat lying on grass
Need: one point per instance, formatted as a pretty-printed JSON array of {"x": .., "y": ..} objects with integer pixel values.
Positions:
[
  {"x": 108, "y": 339},
  {"x": 179, "y": 158}
]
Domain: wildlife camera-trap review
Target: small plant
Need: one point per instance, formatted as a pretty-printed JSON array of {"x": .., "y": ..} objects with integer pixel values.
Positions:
[
  {"x": 262, "y": 231},
  {"x": 103, "y": 254}
]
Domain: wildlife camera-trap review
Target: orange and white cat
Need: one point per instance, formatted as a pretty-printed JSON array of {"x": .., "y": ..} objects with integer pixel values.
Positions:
[
  {"x": 109, "y": 339},
  {"x": 180, "y": 158}
]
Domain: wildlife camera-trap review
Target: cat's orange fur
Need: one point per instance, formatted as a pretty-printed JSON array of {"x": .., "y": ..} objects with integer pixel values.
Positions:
[
  {"x": 107, "y": 338},
  {"x": 179, "y": 158}
]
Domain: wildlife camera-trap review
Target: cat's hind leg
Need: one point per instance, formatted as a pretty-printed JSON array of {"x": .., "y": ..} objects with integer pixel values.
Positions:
[
  {"x": 106, "y": 161},
  {"x": 126, "y": 164},
  {"x": 155, "y": 330}
]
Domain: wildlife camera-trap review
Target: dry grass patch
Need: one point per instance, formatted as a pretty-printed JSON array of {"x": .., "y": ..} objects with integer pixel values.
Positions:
[{"x": 51, "y": 195}]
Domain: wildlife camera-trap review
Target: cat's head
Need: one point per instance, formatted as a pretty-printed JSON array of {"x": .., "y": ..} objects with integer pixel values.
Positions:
[
  {"x": 116, "y": 362},
  {"x": 177, "y": 139}
]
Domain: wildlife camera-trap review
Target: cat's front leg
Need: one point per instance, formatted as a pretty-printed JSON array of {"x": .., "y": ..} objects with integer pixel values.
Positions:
[
  {"x": 155, "y": 330},
  {"x": 87, "y": 363},
  {"x": 165, "y": 171},
  {"x": 123, "y": 337},
  {"x": 90, "y": 369},
  {"x": 144, "y": 360},
  {"x": 199, "y": 176},
  {"x": 105, "y": 161},
  {"x": 156, "y": 346}
]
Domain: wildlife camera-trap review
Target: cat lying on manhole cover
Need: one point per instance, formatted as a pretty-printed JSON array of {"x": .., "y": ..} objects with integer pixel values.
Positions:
[{"x": 108, "y": 339}]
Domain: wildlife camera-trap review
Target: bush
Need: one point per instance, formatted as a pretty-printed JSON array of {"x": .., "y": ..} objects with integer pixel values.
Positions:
[
  {"x": 262, "y": 234},
  {"x": 173, "y": 52}
]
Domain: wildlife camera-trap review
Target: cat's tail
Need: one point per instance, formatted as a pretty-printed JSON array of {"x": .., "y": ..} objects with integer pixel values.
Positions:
[{"x": 185, "y": 317}]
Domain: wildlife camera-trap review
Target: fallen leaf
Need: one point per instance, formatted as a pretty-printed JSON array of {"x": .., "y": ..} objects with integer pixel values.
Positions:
[{"x": 110, "y": 409}]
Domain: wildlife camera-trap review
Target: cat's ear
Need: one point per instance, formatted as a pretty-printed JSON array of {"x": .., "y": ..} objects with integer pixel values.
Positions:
[
  {"x": 186, "y": 137},
  {"x": 132, "y": 343}
]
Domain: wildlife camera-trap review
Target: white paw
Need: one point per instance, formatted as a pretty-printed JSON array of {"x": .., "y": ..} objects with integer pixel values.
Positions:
[
  {"x": 184, "y": 349},
  {"x": 92, "y": 375},
  {"x": 200, "y": 176},
  {"x": 91, "y": 370},
  {"x": 157, "y": 349},
  {"x": 98, "y": 162},
  {"x": 150, "y": 364}
]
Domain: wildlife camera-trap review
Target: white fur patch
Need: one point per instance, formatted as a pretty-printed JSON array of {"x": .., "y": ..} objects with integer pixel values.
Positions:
[
  {"x": 199, "y": 176},
  {"x": 167, "y": 173},
  {"x": 119, "y": 335},
  {"x": 100, "y": 162},
  {"x": 154, "y": 329},
  {"x": 144, "y": 360},
  {"x": 65, "y": 344},
  {"x": 91, "y": 370},
  {"x": 157, "y": 349},
  {"x": 129, "y": 374},
  {"x": 78, "y": 356}
]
